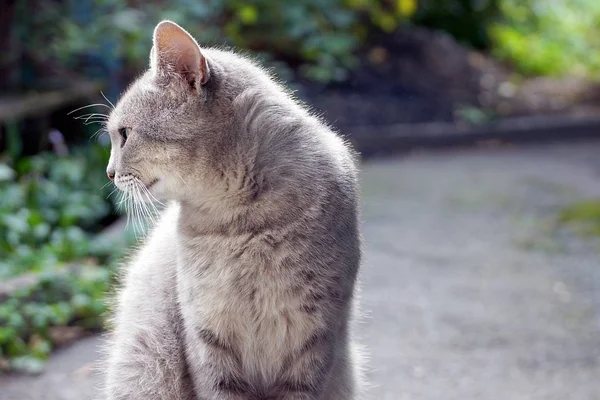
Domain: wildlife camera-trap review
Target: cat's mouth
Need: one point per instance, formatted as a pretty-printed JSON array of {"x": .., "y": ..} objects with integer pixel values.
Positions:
[
  {"x": 152, "y": 183},
  {"x": 129, "y": 182}
]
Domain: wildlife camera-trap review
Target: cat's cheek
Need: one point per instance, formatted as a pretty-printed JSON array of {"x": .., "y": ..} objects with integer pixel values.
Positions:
[{"x": 160, "y": 191}]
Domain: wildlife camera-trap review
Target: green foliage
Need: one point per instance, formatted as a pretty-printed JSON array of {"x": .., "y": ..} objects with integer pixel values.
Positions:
[
  {"x": 60, "y": 298},
  {"x": 48, "y": 205},
  {"x": 474, "y": 115},
  {"x": 584, "y": 215},
  {"x": 549, "y": 38},
  {"x": 319, "y": 37},
  {"x": 465, "y": 20},
  {"x": 50, "y": 209}
]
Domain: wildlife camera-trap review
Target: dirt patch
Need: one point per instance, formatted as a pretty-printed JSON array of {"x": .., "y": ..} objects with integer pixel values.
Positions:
[{"x": 417, "y": 75}]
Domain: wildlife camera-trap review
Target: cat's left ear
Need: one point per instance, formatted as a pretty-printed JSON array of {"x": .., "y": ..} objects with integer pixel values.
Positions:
[{"x": 176, "y": 54}]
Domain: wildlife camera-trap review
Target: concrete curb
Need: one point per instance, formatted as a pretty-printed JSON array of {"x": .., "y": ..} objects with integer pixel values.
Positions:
[{"x": 379, "y": 140}]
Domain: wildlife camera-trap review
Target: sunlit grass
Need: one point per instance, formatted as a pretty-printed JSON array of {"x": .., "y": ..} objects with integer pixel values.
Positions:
[{"x": 584, "y": 216}]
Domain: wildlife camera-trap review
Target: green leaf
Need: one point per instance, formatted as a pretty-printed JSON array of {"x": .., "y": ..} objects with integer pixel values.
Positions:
[
  {"x": 16, "y": 222},
  {"x": 29, "y": 364},
  {"x": 248, "y": 14},
  {"x": 6, "y": 173},
  {"x": 40, "y": 349}
]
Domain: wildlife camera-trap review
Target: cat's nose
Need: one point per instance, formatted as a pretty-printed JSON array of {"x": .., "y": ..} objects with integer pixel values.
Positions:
[{"x": 111, "y": 175}]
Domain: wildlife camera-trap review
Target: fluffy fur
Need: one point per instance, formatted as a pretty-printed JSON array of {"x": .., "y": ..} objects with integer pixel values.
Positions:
[{"x": 245, "y": 287}]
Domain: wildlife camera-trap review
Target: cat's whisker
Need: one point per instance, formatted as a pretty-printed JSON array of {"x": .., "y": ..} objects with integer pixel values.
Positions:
[
  {"x": 89, "y": 120},
  {"x": 123, "y": 201},
  {"x": 133, "y": 211},
  {"x": 137, "y": 227},
  {"x": 88, "y": 106},
  {"x": 92, "y": 118},
  {"x": 139, "y": 203},
  {"x": 94, "y": 122},
  {"x": 144, "y": 199},
  {"x": 153, "y": 198},
  {"x": 152, "y": 217},
  {"x": 99, "y": 133},
  {"x": 106, "y": 184},
  {"x": 151, "y": 209},
  {"x": 119, "y": 200},
  {"x": 97, "y": 117},
  {"x": 181, "y": 179},
  {"x": 154, "y": 208},
  {"x": 122, "y": 204},
  {"x": 126, "y": 201},
  {"x": 100, "y": 115},
  {"x": 148, "y": 218},
  {"x": 148, "y": 200},
  {"x": 109, "y": 102},
  {"x": 130, "y": 212}
]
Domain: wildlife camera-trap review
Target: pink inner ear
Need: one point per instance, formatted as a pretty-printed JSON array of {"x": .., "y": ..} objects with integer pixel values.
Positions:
[{"x": 177, "y": 51}]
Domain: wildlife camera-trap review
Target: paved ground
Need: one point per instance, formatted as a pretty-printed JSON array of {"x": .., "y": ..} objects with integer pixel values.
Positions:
[{"x": 469, "y": 290}]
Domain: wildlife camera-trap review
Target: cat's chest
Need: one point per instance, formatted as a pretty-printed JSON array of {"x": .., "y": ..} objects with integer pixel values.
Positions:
[
  {"x": 243, "y": 288},
  {"x": 257, "y": 304}
]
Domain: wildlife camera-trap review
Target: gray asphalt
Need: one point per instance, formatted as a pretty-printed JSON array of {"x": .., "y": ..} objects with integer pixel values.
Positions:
[{"x": 469, "y": 290}]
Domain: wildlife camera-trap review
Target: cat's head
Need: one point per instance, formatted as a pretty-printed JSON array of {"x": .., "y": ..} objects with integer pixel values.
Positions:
[{"x": 166, "y": 124}]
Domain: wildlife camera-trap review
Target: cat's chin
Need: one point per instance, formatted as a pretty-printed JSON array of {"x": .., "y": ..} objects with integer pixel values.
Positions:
[{"x": 157, "y": 189}]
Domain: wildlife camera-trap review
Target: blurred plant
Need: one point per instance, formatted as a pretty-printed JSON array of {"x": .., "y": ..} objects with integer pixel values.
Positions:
[
  {"x": 474, "y": 115},
  {"x": 49, "y": 206},
  {"x": 50, "y": 210},
  {"x": 31, "y": 317},
  {"x": 466, "y": 20},
  {"x": 320, "y": 37},
  {"x": 549, "y": 37},
  {"x": 585, "y": 216}
]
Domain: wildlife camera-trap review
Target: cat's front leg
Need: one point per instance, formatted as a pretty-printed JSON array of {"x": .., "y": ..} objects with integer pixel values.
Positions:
[
  {"x": 215, "y": 365},
  {"x": 296, "y": 396},
  {"x": 308, "y": 371},
  {"x": 147, "y": 365},
  {"x": 303, "y": 395}
]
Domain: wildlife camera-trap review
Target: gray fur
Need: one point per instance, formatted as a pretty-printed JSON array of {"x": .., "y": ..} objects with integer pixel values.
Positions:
[{"x": 245, "y": 287}]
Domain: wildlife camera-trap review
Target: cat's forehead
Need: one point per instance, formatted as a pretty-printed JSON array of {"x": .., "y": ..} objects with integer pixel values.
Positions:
[
  {"x": 143, "y": 92},
  {"x": 140, "y": 99}
]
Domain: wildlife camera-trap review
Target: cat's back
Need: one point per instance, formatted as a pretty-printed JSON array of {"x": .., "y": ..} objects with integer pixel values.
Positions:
[{"x": 289, "y": 131}]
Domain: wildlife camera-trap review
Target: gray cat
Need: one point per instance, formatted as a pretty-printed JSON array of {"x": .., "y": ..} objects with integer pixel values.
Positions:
[{"x": 245, "y": 287}]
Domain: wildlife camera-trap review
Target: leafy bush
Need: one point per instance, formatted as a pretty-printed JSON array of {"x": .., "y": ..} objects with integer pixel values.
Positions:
[
  {"x": 48, "y": 207},
  {"x": 549, "y": 38},
  {"x": 466, "y": 20},
  {"x": 60, "y": 298},
  {"x": 320, "y": 37}
]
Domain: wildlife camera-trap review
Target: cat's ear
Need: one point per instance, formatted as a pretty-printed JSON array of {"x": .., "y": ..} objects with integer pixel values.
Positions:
[{"x": 175, "y": 53}]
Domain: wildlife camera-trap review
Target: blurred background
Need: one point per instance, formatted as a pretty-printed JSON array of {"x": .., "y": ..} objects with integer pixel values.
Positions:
[{"x": 397, "y": 78}]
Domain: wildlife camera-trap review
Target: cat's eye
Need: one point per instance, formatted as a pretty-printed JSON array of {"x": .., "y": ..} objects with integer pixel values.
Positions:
[{"x": 124, "y": 132}]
